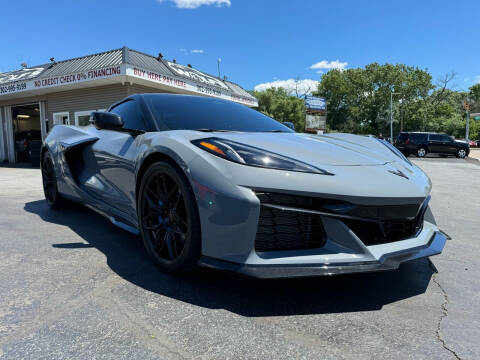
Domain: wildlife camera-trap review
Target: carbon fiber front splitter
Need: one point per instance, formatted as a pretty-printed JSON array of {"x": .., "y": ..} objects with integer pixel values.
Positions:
[{"x": 390, "y": 261}]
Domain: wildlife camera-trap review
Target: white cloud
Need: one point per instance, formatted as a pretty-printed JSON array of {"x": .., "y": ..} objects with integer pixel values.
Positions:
[
  {"x": 477, "y": 79},
  {"x": 305, "y": 86},
  {"x": 193, "y": 4},
  {"x": 328, "y": 65},
  {"x": 197, "y": 51}
]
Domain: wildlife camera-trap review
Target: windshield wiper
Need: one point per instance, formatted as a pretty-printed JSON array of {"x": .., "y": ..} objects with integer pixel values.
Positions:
[
  {"x": 278, "y": 131},
  {"x": 213, "y": 130}
]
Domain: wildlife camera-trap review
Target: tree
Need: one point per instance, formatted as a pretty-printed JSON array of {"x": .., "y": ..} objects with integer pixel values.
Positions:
[
  {"x": 358, "y": 100},
  {"x": 278, "y": 104}
]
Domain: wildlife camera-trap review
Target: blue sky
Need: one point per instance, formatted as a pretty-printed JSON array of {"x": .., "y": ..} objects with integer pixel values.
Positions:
[{"x": 259, "y": 42}]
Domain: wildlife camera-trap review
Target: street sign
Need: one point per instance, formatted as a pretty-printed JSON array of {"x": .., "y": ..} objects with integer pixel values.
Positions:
[{"x": 475, "y": 116}]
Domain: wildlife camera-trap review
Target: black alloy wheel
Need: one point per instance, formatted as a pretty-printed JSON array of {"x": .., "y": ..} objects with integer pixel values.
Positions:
[
  {"x": 168, "y": 218},
  {"x": 54, "y": 199}
]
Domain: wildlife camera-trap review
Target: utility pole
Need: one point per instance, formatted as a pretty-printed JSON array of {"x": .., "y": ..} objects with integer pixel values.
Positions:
[
  {"x": 466, "y": 105},
  {"x": 391, "y": 114}
]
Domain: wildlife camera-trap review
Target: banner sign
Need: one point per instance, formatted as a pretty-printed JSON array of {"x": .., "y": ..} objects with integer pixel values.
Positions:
[
  {"x": 23, "y": 74},
  {"x": 196, "y": 75},
  {"x": 78, "y": 77},
  {"x": 189, "y": 86},
  {"x": 315, "y": 103},
  {"x": 200, "y": 83},
  {"x": 54, "y": 81}
]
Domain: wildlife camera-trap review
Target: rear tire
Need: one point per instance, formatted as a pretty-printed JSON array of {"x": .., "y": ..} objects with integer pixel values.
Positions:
[
  {"x": 50, "y": 188},
  {"x": 168, "y": 219},
  {"x": 421, "y": 152},
  {"x": 461, "y": 153}
]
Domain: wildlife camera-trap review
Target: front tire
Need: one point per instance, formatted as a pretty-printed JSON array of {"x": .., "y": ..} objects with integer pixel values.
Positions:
[
  {"x": 421, "y": 152},
  {"x": 461, "y": 153},
  {"x": 49, "y": 180},
  {"x": 168, "y": 219}
]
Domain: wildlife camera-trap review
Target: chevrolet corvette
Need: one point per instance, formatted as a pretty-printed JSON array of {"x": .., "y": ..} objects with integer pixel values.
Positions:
[{"x": 214, "y": 183}]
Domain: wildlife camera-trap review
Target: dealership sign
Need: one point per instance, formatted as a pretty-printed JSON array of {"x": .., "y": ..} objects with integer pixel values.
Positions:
[
  {"x": 203, "y": 87},
  {"x": 192, "y": 81},
  {"x": 23, "y": 74},
  {"x": 60, "y": 80},
  {"x": 196, "y": 75},
  {"x": 78, "y": 77},
  {"x": 315, "y": 103}
]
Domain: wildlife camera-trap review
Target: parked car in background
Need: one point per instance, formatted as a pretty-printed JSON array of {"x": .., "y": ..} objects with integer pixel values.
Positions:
[
  {"x": 471, "y": 143},
  {"x": 23, "y": 140},
  {"x": 289, "y": 124},
  {"x": 422, "y": 143}
]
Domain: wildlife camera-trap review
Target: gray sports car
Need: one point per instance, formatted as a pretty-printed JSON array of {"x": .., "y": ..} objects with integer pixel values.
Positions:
[{"x": 214, "y": 183}]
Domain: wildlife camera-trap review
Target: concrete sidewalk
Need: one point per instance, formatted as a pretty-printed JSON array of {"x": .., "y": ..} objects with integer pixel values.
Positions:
[{"x": 474, "y": 153}]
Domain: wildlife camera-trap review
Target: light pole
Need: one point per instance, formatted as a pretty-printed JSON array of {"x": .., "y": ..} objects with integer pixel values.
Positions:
[
  {"x": 391, "y": 114},
  {"x": 466, "y": 105}
]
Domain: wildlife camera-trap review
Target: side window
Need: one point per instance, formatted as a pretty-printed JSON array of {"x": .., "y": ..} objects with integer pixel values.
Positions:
[
  {"x": 446, "y": 138},
  {"x": 436, "y": 137},
  {"x": 131, "y": 115},
  {"x": 418, "y": 138}
]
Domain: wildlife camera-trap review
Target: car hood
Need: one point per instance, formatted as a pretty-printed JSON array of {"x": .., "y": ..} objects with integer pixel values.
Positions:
[
  {"x": 461, "y": 143},
  {"x": 333, "y": 150}
]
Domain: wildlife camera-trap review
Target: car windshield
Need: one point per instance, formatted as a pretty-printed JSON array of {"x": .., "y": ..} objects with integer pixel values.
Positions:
[{"x": 179, "y": 112}]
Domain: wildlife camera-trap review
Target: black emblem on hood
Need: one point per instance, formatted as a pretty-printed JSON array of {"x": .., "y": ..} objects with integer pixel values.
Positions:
[{"x": 398, "y": 173}]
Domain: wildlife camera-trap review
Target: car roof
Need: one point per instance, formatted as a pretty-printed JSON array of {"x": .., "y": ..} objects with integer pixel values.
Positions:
[
  {"x": 141, "y": 96},
  {"x": 423, "y": 132}
]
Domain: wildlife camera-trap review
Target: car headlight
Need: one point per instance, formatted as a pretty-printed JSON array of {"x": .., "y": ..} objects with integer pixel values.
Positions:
[{"x": 252, "y": 156}]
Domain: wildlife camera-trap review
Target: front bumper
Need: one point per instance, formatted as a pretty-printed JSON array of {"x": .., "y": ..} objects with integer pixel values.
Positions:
[{"x": 387, "y": 261}]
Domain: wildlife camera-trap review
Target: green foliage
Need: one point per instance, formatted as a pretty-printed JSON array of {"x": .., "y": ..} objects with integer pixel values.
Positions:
[
  {"x": 278, "y": 104},
  {"x": 358, "y": 101},
  {"x": 475, "y": 92}
]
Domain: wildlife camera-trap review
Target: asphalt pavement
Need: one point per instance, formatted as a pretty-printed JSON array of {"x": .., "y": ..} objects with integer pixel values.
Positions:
[{"x": 73, "y": 286}]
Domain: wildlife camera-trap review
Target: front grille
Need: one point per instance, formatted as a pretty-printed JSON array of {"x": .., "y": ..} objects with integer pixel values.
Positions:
[
  {"x": 289, "y": 229},
  {"x": 373, "y": 233}
]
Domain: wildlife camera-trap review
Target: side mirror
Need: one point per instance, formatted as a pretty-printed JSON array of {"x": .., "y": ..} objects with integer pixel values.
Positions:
[{"x": 106, "y": 120}]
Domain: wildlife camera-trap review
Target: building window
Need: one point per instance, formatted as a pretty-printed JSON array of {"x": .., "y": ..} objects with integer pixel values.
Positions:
[
  {"x": 82, "y": 118},
  {"x": 61, "y": 118}
]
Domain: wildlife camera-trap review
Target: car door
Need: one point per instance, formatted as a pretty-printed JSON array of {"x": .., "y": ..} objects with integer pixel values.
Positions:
[
  {"x": 435, "y": 143},
  {"x": 448, "y": 145},
  {"x": 115, "y": 153}
]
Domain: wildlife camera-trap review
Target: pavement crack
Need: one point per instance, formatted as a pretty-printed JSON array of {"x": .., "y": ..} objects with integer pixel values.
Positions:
[{"x": 443, "y": 316}]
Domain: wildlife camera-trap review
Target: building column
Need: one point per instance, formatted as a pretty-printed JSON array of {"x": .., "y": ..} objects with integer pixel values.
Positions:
[
  {"x": 43, "y": 119},
  {"x": 9, "y": 136},
  {"x": 3, "y": 140}
]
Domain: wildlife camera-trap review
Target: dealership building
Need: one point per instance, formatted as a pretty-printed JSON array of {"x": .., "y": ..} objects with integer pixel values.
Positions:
[{"x": 34, "y": 99}]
